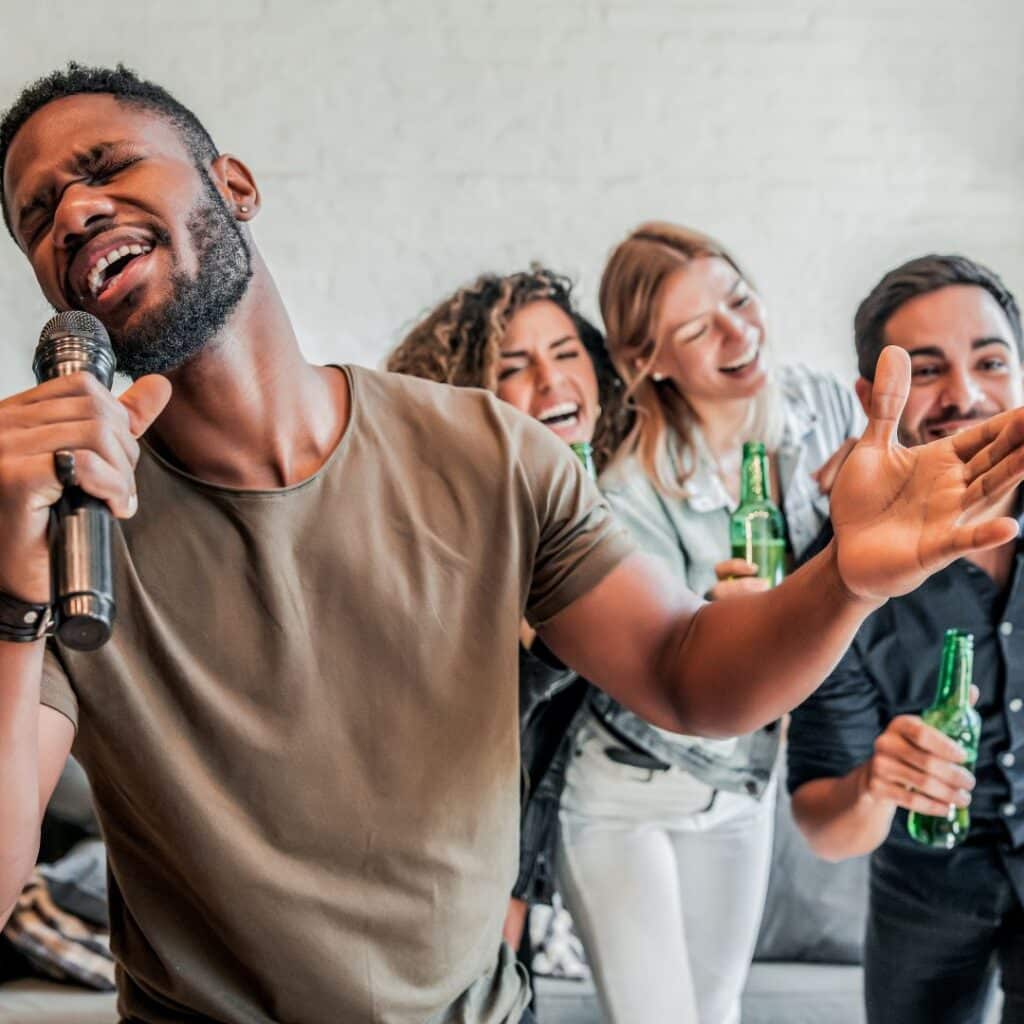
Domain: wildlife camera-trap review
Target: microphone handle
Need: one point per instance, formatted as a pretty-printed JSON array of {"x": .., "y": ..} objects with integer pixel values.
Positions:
[
  {"x": 81, "y": 529},
  {"x": 80, "y": 556}
]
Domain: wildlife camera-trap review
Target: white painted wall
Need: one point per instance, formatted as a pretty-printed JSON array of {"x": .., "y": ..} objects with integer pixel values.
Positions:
[{"x": 404, "y": 145}]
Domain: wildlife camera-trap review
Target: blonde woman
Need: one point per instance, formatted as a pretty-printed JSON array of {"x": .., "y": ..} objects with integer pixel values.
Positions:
[{"x": 666, "y": 840}]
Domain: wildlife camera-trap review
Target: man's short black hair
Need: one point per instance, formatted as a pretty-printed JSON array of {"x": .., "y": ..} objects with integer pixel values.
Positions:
[
  {"x": 918, "y": 277},
  {"x": 122, "y": 83}
]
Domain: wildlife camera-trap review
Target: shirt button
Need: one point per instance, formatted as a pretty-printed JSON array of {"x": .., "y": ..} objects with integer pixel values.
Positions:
[
  {"x": 1007, "y": 760},
  {"x": 1009, "y": 810},
  {"x": 1016, "y": 704},
  {"x": 1006, "y": 628}
]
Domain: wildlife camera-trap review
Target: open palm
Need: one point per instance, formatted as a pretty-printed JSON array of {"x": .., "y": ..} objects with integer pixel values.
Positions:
[{"x": 901, "y": 514}]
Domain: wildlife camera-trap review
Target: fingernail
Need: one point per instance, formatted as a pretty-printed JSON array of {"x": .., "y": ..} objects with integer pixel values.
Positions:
[
  {"x": 133, "y": 504},
  {"x": 958, "y": 752},
  {"x": 964, "y": 798}
]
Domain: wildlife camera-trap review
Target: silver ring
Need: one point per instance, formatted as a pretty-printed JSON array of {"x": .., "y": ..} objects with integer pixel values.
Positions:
[{"x": 64, "y": 466}]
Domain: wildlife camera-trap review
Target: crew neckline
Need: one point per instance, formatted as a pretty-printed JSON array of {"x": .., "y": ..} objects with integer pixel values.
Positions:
[{"x": 273, "y": 492}]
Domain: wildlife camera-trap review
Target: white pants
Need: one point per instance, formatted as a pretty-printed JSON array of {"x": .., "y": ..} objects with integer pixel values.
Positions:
[{"x": 666, "y": 894}]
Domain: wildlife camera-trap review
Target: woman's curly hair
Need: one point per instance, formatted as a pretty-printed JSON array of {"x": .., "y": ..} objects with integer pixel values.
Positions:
[{"x": 459, "y": 343}]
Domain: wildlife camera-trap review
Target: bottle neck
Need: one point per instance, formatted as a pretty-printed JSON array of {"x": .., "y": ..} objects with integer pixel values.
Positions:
[
  {"x": 585, "y": 453},
  {"x": 956, "y": 673},
  {"x": 755, "y": 484}
]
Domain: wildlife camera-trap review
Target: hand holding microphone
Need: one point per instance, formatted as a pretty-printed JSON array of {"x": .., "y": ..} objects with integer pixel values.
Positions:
[{"x": 72, "y": 413}]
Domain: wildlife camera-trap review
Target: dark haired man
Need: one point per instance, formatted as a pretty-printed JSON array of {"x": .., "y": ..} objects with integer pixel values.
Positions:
[
  {"x": 860, "y": 757},
  {"x": 303, "y": 735}
]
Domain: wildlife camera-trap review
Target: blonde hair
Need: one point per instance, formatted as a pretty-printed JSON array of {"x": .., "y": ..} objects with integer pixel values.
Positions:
[{"x": 631, "y": 288}]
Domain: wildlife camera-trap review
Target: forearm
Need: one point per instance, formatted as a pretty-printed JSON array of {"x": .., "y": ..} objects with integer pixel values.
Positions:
[
  {"x": 839, "y": 818},
  {"x": 742, "y": 663},
  {"x": 20, "y": 810}
]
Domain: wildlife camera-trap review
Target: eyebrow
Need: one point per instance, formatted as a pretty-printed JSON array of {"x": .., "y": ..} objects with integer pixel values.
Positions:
[
  {"x": 683, "y": 323},
  {"x": 938, "y": 353},
  {"x": 522, "y": 353},
  {"x": 81, "y": 164}
]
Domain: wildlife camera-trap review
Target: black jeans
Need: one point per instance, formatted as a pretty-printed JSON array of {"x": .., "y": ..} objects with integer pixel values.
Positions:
[{"x": 939, "y": 923}]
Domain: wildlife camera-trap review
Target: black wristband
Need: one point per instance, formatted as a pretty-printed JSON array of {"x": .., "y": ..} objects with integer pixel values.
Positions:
[{"x": 22, "y": 622}]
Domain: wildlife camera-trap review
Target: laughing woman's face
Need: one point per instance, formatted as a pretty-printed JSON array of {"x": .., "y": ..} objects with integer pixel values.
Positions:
[
  {"x": 709, "y": 328},
  {"x": 546, "y": 372}
]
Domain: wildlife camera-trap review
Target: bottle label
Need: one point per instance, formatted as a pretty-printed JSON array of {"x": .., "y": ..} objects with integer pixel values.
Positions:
[{"x": 756, "y": 540}]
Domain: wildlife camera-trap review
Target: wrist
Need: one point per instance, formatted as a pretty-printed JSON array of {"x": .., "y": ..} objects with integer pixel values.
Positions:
[
  {"x": 24, "y": 622},
  {"x": 33, "y": 587},
  {"x": 866, "y": 799},
  {"x": 837, "y": 585}
]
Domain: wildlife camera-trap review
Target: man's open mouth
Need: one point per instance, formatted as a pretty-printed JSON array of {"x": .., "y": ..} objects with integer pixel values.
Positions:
[
  {"x": 749, "y": 356},
  {"x": 103, "y": 260},
  {"x": 106, "y": 268},
  {"x": 566, "y": 414}
]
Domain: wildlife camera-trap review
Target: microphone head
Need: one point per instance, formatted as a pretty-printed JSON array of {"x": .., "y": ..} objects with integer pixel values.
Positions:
[{"x": 71, "y": 342}]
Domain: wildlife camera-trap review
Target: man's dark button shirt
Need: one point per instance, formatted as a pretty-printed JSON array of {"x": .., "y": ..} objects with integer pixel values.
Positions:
[{"x": 892, "y": 669}]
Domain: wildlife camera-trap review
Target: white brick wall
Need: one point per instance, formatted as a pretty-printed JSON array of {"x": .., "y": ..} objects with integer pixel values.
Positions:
[{"x": 403, "y": 145}]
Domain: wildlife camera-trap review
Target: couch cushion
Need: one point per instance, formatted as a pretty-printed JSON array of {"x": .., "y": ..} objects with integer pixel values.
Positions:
[
  {"x": 46, "y": 1002},
  {"x": 72, "y": 799},
  {"x": 780, "y": 993},
  {"x": 815, "y": 910},
  {"x": 775, "y": 994},
  {"x": 78, "y": 882}
]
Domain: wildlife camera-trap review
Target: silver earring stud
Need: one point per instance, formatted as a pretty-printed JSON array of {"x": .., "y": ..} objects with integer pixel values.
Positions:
[
  {"x": 658, "y": 377},
  {"x": 243, "y": 209}
]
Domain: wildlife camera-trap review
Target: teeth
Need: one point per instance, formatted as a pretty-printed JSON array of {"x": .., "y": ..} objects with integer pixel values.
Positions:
[
  {"x": 565, "y": 409},
  {"x": 747, "y": 357},
  {"x": 97, "y": 276}
]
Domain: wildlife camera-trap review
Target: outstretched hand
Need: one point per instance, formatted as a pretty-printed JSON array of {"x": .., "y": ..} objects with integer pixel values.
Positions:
[{"x": 901, "y": 514}]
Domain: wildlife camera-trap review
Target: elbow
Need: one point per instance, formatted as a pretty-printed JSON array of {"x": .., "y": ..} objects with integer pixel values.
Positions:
[
  {"x": 822, "y": 840},
  {"x": 705, "y": 715},
  {"x": 705, "y": 699},
  {"x": 824, "y": 850},
  {"x": 820, "y": 843}
]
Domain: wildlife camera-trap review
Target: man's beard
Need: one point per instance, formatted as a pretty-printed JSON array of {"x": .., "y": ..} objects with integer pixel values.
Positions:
[
  {"x": 918, "y": 437},
  {"x": 169, "y": 336}
]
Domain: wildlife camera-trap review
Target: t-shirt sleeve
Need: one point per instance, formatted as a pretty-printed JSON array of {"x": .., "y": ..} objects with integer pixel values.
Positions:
[
  {"x": 579, "y": 541},
  {"x": 55, "y": 690},
  {"x": 835, "y": 729}
]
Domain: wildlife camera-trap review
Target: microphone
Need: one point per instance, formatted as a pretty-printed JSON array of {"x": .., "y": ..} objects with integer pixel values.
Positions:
[{"x": 80, "y": 525}]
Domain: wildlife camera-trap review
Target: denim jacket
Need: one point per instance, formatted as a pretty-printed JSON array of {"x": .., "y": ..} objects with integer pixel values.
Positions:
[
  {"x": 552, "y": 699},
  {"x": 692, "y": 534}
]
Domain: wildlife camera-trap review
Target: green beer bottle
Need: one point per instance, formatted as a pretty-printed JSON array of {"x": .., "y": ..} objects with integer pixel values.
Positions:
[
  {"x": 585, "y": 453},
  {"x": 756, "y": 530},
  {"x": 953, "y": 715}
]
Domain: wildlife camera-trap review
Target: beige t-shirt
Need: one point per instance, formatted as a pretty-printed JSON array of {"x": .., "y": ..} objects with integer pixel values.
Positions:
[{"x": 303, "y": 736}]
